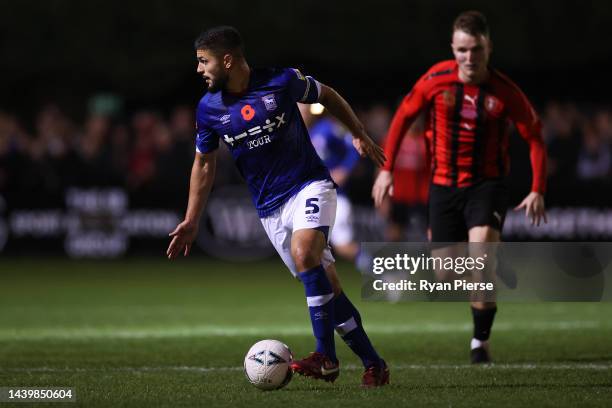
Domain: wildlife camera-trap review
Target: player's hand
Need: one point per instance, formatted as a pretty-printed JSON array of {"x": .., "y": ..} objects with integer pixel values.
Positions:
[
  {"x": 368, "y": 148},
  {"x": 383, "y": 186},
  {"x": 534, "y": 208},
  {"x": 182, "y": 238}
]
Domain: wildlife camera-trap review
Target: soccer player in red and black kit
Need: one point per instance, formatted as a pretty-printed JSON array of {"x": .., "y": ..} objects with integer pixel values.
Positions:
[{"x": 469, "y": 106}]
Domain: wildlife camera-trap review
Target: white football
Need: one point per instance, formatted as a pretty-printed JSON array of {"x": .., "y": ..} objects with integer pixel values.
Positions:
[{"x": 267, "y": 365}]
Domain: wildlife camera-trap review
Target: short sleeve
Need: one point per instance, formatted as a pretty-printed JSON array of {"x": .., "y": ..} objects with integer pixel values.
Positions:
[
  {"x": 303, "y": 88},
  {"x": 206, "y": 139}
]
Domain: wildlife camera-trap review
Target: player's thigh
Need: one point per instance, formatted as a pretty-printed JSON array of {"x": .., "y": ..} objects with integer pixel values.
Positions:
[
  {"x": 446, "y": 215},
  {"x": 315, "y": 207},
  {"x": 280, "y": 237},
  {"x": 485, "y": 210},
  {"x": 314, "y": 214}
]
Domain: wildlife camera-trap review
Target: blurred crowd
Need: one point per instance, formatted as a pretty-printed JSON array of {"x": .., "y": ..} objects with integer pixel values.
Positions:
[
  {"x": 152, "y": 152},
  {"x": 146, "y": 152},
  {"x": 579, "y": 144}
]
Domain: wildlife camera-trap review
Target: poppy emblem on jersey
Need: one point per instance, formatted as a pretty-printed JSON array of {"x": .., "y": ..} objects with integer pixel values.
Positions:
[
  {"x": 269, "y": 102},
  {"x": 247, "y": 112},
  {"x": 448, "y": 98}
]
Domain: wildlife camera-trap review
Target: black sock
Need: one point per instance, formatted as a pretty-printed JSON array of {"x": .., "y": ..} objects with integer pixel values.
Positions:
[{"x": 483, "y": 320}]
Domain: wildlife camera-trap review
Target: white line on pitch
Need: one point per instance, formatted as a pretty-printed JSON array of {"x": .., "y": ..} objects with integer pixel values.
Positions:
[{"x": 267, "y": 331}]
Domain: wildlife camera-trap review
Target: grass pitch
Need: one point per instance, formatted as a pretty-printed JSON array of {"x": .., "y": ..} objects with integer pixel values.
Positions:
[{"x": 147, "y": 333}]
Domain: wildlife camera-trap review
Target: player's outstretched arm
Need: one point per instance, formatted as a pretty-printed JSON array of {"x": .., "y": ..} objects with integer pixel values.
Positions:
[
  {"x": 201, "y": 181},
  {"x": 340, "y": 108},
  {"x": 535, "y": 209},
  {"x": 529, "y": 127}
]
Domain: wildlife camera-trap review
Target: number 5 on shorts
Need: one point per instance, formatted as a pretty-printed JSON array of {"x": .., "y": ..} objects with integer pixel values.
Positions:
[{"x": 311, "y": 206}]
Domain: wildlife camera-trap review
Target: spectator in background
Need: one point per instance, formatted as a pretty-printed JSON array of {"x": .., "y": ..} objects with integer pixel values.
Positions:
[
  {"x": 94, "y": 152},
  {"x": 560, "y": 131},
  {"x": 51, "y": 159},
  {"x": 141, "y": 162},
  {"x": 603, "y": 124},
  {"x": 119, "y": 148},
  {"x": 594, "y": 157},
  {"x": 12, "y": 145},
  {"x": 175, "y": 151},
  {"x": 377, "y": 120}
]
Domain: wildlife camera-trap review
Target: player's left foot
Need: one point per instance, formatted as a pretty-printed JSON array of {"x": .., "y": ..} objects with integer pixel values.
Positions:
[
  {"x": 318, "y": 366},
  {"x": 375, "y": 375}
]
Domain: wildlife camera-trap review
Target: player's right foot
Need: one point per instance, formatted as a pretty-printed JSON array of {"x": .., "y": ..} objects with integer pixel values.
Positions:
[
  {"x": 376, "y": 376},
  {"x": 480, "y": 355},
  {"x": 318, "y": 366}
]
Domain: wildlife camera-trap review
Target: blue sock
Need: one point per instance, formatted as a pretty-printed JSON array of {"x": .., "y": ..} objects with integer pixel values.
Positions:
[
  {"x": 319, "y": 296},
  {"x": 349, "y": 327}
]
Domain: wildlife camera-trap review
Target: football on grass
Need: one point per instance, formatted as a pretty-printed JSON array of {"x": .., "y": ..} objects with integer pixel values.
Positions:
[{"x": 267, "y": 365}]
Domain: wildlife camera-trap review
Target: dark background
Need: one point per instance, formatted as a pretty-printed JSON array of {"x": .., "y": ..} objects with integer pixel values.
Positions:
[
  {"x": 100, "y": 95},
  {"x": 63, "y": 51}
]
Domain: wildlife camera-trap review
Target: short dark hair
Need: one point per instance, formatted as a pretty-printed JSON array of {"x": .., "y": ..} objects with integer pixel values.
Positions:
[
  {"x": 221, "y": 39},
  {"x": 472, "y": 22}
]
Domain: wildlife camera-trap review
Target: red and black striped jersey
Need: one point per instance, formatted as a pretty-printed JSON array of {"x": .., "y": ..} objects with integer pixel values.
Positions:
[{"x": 469, "y": 126}]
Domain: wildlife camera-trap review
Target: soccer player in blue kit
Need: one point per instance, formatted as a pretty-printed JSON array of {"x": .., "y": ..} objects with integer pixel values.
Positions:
[{"x": 255, "y": 113}]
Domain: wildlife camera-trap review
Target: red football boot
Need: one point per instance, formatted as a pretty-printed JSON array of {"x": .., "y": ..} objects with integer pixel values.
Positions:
[
  {"x": 318, "y": 366},
  {"x": 375, "y": 376}
]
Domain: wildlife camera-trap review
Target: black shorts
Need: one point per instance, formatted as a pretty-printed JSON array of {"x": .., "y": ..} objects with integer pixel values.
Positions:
[
  {"x": 453, "y": 210},
  {"x": 402, "y": 213}
]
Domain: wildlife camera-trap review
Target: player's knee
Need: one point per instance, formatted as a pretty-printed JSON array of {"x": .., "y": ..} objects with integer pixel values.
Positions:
[
  {"x": 484, "y": 233},
  {"x": 304, "y": 258},
  {"x": 483, "y": 305}
]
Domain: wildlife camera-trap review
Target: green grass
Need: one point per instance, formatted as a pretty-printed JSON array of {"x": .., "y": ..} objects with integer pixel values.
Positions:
[{"x": 153, "y": 333}]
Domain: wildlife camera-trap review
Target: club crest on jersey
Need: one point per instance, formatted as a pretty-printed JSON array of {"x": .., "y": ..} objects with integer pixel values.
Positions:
[
  {"x": 270, "y": 102},
  {"x": 493, "y": 105}
]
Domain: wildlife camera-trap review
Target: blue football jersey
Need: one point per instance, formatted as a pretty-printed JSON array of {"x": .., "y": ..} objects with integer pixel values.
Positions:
[
  {"x": 334, "y": 144},
  {"x": 265, "y": 133}
]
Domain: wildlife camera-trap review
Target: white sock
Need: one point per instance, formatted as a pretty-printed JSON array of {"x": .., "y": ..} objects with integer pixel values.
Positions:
[{"x": 478, "y": 343}]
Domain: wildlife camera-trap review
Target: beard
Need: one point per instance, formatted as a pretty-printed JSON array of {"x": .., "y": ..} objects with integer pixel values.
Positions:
[{"x": 217, "y": 84}]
